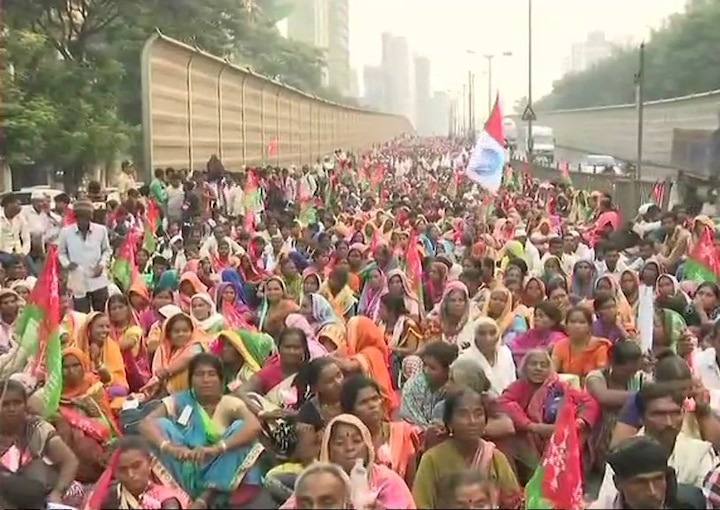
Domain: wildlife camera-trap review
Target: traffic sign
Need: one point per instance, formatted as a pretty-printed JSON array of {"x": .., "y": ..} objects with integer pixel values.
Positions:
[{"x": 529, "y": 114}]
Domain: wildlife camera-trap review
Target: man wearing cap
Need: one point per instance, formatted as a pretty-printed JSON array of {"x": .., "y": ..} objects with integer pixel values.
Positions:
[
  {"x": 36, "y": 216},
  {"x": 643, "y": 479},
  {"x": 84, "y": 250}
]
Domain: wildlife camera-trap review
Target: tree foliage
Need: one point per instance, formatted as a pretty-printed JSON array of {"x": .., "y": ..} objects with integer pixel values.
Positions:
[
  {"x": 681, "y": 58},
  {"x": 71, "y": 69}
]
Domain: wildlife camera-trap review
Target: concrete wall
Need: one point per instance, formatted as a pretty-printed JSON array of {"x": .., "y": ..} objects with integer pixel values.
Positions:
[
  {"x": 612, "y": 130},
  {"x": 196, "y": 105}
]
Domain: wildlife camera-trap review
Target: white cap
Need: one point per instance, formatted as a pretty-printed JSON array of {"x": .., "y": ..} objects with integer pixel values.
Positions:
[
  {"x": 38, "y": 195},
  {"x": 168, "y": 311}
]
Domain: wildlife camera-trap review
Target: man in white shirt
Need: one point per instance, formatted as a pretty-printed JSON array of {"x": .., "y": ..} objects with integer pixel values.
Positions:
[
  {"x": 662, "y": 417},
  {"x": 37, "y": 215},
  {"x": 210, "y": 247},
  {"x": 14, "y": 232},
  {"x": 84, "y": 250}
]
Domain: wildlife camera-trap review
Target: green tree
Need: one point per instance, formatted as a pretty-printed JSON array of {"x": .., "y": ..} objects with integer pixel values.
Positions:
[
  {"x": 72, "y": 69},
  {"x": 681, "y": 58}
]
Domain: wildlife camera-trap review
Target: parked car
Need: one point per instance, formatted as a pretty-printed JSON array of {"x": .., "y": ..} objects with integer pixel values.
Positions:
[
  {"x": 600, "y": 164},
  {"x": 24, "y": 195}
]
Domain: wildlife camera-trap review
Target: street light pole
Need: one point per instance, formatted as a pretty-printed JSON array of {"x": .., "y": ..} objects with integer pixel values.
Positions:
[
  {"x": 471, "y": 105},
  {"x": 530, "y": 67},
  {"x": 489, "y": 59},
  {"x": 640, "y": 104}
]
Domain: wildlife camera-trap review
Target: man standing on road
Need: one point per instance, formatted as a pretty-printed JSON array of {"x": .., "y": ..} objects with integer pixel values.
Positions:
[
  {"x": 84, "y": 250},
  {"x": 14, "y": 232}
]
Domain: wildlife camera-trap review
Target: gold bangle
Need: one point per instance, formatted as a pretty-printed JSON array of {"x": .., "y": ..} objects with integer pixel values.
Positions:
[
  {"x": 224, "y": 446},
  {"x": 163, "y": 445}
]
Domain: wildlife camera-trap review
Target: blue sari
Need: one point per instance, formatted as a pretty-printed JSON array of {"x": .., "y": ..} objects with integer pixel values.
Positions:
[{"x": 223, "y": 473}]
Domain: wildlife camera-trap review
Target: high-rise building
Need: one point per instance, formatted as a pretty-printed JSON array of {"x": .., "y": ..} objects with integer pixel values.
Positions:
[
  {"x": 374, "y": 85},
  {"x": 585, "y": 54},
  {"x": 338, "y": 55},
  {"x": 354, "y": 85},
  {"x": 422, "y": 94},
  {"x": 439, "y": 115},
  {"x": 396, "y": 74},
  {"x": 325, "y": 25}
]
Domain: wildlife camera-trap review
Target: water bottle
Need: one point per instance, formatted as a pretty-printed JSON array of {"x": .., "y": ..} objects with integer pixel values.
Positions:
[{"x": 360, "y": 489}]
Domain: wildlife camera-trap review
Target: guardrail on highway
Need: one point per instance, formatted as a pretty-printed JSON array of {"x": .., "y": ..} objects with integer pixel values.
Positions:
[
  {"x": 627, "y": 193},
  {"x": 196, "y": 105},
  {"x": 612, "y": 130}
]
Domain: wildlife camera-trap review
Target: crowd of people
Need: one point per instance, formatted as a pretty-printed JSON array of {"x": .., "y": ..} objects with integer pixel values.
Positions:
[{"x": 374, "y": 331}]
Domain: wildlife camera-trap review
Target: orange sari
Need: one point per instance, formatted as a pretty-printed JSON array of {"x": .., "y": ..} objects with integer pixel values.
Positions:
[
  {"x": 86, "y": 422},
  {"x": 110, "y": 356},
  {"x": 366, "y": 344},
  {"x": 167, "y": 355}
]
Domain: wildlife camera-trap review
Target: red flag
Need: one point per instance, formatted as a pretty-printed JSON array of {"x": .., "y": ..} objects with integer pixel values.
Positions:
[
  {"x": 703, "y": 264},
  {"x": 658, "y": 193},
  {"x": 69, "y": 217},
  {"x": 414, "y": 267},
  {"x": 558, "y": 479},
  {"x": 272, "y": 148}
]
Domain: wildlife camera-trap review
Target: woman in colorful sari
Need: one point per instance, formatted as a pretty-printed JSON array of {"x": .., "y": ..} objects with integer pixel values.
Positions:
[
  {"x": 32, "y": 453},
  {"x": 434, "y": 285},
  {"x": 139, "y": 296},
  {"x": 581, "y": 352},
  {"x": 546, "y": 332},
  {"x": 511, "y": 321},
  {"x": 396, "y": 442},
  {"x": 493, "y": 357},
  {"x": 533, "y": 292},
  {"x": 154, "y": 336},
  {"x": 125, "y": 329},
  {"x": 630, "y": 287},
  {"x": 291, "y": 278},
  {"x": 552, "y": 268},
  {"x": 345, "y": 440},
  {"x": 337, "y": 291},
  {"x": 453, "y": 321},
  {"x": 399, "y": 285},
  {"x": 181, "y": 341},
  {"x": 275, "y": 307},
  {"x": 426, "y": 389},
  {"x": 368, "y": 353},
  {"x": 243, "y": 354},
  {"x": 312, "y": 281},
  {"x": 669, "y": 328},
  {"x": 202, "y": 310},
  {"x": 375, "y": 287},
  {"x": 190, "y": 285},
  {"x": 465, "y": 417},
  {"x": 276, "y": 381},
  {"x": 404, "y": 337},
  {"x": 608, "y": 285},
  {"x": 85, "y": 422},
  {"x": 208, "y": 440},
  {"x": 584, "y": 275},
  {"x": 135, "y": 480},
  {"x": 105, "y": 354},
  {"x": 329, "y": 329},
  {"x": 235, "y": 302},
  {"x": 511, "y": 251},
  {"x": 611, "y": 387},
  {"x": 296, "y": 320},
  {"x": 533, "y": 403}
]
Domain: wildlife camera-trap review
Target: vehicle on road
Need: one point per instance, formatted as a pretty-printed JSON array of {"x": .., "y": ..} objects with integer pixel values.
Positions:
[
  {"x": 600, "y": 164},
  {"x": 542, "y": 143}
]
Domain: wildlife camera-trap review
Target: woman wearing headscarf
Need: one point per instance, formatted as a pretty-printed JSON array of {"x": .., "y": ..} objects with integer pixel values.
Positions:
[
  {"x": 190, "y": 285},
  {"x": 243, "y": 354},
  {"x": 297, "y": 320},
  {"x": 290, "y": 274},
  {"x": 202, "y": 310},
  {"x": 387, "y": 488},
  {"x": 374, "y": 288},
  {"x": 453, "y": 321},
  {"x": 435, "y": 285},
  {"x": 545, "y": 333},
  {"x": 501, "y": 309},
  {"x": 404, "y": 337},
  {"x": 231, "y": 302},
  {"x": 582, "y": 283},
  {"x": 399, "y": 285},
  {"x": 329, "y": 329},
  {"x": 275, "y": 307},
  {"x": 512, "y": 250},
  {"x": 125, "y": 329}
]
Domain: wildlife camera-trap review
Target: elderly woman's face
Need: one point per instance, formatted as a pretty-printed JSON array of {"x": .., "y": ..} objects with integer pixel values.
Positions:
[
  {"x": 486, "y": 336},
  {"x": 456, "y": 303},
  {"x": 346, "y": 446},
  {"x": 537, "y": 367}
]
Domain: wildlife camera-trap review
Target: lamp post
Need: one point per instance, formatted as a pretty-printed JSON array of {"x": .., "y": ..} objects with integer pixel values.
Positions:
[
  {"x": 489, "y": 57},
  {"x": 530, "y": 52}
]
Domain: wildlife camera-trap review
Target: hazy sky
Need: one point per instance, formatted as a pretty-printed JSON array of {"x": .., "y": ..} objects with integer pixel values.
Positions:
[{"x": 444, "y": 30}]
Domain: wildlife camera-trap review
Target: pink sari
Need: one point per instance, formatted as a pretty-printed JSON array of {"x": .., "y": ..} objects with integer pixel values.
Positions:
[{"x": 533, "y": 339}]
